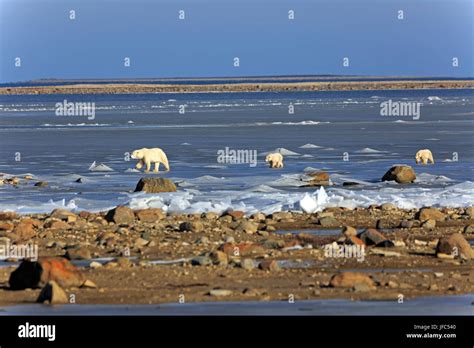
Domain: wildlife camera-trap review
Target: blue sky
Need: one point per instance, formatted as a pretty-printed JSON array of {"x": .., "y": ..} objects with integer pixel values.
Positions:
[{"x": 259, "y": 32}]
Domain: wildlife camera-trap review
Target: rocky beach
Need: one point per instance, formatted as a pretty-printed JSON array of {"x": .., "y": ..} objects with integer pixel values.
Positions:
[{"x": 148, "y": 256}]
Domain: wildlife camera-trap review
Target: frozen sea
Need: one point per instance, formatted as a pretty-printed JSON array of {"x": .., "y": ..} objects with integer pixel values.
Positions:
[{"x": 325, "y": 129}]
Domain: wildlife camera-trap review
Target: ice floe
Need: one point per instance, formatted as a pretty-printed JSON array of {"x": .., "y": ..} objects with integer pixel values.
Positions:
[{"x": 94, "y": 167}]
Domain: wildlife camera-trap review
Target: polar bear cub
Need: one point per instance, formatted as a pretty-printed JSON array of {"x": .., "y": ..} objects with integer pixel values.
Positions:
[
  {"x": 149, "y": 156},
  {"x": 275, "y": 160},
  {"x": 424, "y": 156}
]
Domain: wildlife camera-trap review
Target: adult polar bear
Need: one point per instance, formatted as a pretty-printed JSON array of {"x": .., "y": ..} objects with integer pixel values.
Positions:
[
  {"x": 424, "y": 156},
  {"x": 275, "y": 160},
  {"x": 149, "y": 156}
]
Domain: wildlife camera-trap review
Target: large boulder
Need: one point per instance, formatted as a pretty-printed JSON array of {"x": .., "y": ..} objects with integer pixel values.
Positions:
[
  {"x": 430, "y": 214},
  {"x": 121, "y": 215},
  {"x": 455, "y": 245},
  {"x": 63, "y": 214},
  {"x": 247, "y": 227},
  {"x": 155, "y": 185},
  {"x": 52, "y": 293},
  {"x": 34, "y": 274},
  {"x": 23, "y": 231},
  {"x": 8, "y": 215},
  {"x": 401, "y": 174},
  {"x": 373, "y": 237}
]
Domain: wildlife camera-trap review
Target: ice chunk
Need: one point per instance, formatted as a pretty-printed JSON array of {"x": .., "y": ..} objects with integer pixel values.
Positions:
[
  {"x": 368, "y": 150},
  {"x": 311, "y": 204},
  {"x": 308, "y": 204},
  {"x": 322, "y": 196},
  {"x": 309, "y": 146},
  {"x": 100, "y": 168}
]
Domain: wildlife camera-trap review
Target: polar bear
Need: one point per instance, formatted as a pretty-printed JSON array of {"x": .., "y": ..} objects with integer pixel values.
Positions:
[
  {"x": 424, "y": 156},
  {"x": 149, "y": 156},
  {"x": 275, "y": 160}
]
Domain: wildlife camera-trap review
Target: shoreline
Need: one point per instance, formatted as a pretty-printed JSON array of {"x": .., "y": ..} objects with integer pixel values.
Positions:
[
  {"x": 402, "y": 254},
  {"x": 137, "y": 88}
]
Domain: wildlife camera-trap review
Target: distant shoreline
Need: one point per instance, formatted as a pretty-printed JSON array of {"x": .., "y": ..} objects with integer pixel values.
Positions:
[{"x": 140, "y": 88}]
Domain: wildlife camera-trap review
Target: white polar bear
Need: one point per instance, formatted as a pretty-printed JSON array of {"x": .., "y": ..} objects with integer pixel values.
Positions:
[
  {"x": 424, "y": 156},
  {"x": 275, "y": 160},
  {"x": 149, "y": 156}
]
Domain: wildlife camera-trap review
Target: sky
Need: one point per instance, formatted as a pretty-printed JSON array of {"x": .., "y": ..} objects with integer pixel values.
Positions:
[{"x": 323, "y": 32}]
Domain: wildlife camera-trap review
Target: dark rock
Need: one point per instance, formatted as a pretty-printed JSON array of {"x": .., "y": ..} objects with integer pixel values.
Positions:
[
  {"x": 121, "y": 215},
  {"x": 155, "y": 185},
  {"x": 401, "y": 174},
  {"x": 52, "y": 293},
  {"x": 41, "y": 184},
  {"x": 201, "y": 261},
  {"x": 191, "y": 226},
  {"x": 35, "y": 274},
  {"x": 350, "y": 183},
  {"x": 373, "y": 237}
]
